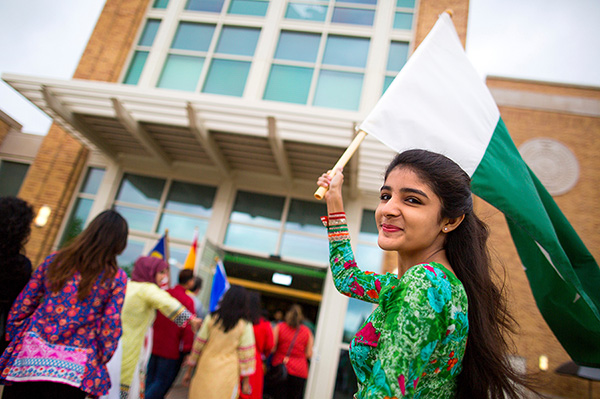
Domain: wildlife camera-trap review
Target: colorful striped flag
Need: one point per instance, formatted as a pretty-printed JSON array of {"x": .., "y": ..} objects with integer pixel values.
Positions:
[{"x": 439, "y": 103}]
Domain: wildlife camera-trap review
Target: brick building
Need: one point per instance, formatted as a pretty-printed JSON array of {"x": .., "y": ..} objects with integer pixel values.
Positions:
[{"x": 220, "y": 115}]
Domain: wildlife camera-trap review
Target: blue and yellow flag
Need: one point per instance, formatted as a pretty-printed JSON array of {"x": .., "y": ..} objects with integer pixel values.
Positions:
[{"x": 161, "y": 249}]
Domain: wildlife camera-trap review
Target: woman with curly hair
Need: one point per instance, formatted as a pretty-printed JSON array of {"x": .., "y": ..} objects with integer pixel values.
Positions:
[
  {"x": 65, "y": 324},
  {"x": 15, "y": 268}
]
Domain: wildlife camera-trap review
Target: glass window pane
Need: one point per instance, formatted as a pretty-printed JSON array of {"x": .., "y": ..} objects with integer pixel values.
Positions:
[
  {"x": 306, "y": 216},
  {"x": 356, "y": 314},
  {"x": 254, "y": 239},
  {"x": 340, "y": 90},
  {"x": 345, "y": 381},
  {"x": 308, "y": 12},
  {"x": 149, "y": 33},
  {"x": 181, "y": 72},
  {"x": 137, "y": 219},
  {"x": 406, "y": 3},
  {"x": 182, "y": 226},
  {"x": 249, "y": 7},
  {"x": 204, "y": 5},
  {"x": 298, "y": 46},
  {"x": 387, "y": 82},
  {"x": 135, "y": 68},
  {"x": 258, "y": 209},
  {"x": 190, "y": 198},
  {"x": 398, "y": 56},
  {"x": 237, "y": 40},
  {"x": 368, "y": 224},
  {"x": 288, "y": 83},
  {"x": 128, "y": 257},
  {"x": 305, "y": 247},
  {"x": 141, "y": 190},
  {"x": 160, "y": 3},
  {"x": 359, "y": 1},
  {"x": 92, "y": 181},
  {"x": 369, "y": 257},
  {"x": 353, "y": 16},
  {"x": 12, "y": 175},
  {"x": 192, "y": 36},
  {"x": 403, "y": 20},
  {"x": 336, "y": 51},
  {"x": 76, "y": 222},
  {"x": 227, "y": 77}
]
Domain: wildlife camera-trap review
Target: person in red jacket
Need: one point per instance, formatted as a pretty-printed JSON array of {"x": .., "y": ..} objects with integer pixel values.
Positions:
[{"x": 171, "y": 343}]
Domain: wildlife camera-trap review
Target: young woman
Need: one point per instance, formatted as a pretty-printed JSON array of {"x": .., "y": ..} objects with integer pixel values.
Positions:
[
  {"x": 415, "y": 343},
  {"x": 293, "y": 347},
  {"x": 65, "y": 324},
  {"x": 223, "y": 350},
  {"x": 144, "y": 297}
]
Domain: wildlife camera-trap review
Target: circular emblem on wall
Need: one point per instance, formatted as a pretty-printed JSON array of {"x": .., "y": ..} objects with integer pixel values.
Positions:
[{"x": 553, "y": 163}]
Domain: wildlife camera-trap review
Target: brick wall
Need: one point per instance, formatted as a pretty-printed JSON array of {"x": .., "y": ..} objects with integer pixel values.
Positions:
[{"x": 60, "y": 160}]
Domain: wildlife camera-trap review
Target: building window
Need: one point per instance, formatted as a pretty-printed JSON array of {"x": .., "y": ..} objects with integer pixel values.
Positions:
[
  {"x": 271, "y": 225},
  {"x": 83, "y": 205},
  {"x": 160, "y": 4},
  {"x": 153, "y": 205},
  {"x": 317, "y": 69},
  {"x": 397, "y": 57},
  {"x": 403, "y": 16},
  {"x": 12, "y": 175},
  {"x": 249, "y": 7},
  {"x": 140, "y": 55},
  {"x": 227, "y": 66},
  {"x": 354, "y": 12}
]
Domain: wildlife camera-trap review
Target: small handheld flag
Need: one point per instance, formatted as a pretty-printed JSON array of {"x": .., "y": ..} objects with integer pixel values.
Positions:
[
  {"x": 161, "y": 249},
  {"x": 190, "y": 260},
  {"x": 220, "y": 285}
]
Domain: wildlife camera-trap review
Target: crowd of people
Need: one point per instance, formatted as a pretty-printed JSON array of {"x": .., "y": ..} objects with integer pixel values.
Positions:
[{"x": 78, "y": 325}]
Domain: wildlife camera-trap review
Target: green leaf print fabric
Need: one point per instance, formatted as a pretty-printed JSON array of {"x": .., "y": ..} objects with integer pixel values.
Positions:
[{"x": 412, "y": 345}]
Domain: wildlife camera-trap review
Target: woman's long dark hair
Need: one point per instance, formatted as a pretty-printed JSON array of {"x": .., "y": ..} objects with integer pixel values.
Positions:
[
  {"x": 486, "y": 371},
  {"x": 92, "y": 253},
  {"x": 232, "y": 308}
]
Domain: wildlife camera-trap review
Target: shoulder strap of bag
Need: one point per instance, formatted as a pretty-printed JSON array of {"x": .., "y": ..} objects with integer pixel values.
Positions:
[{"x": 287, "y": 355}]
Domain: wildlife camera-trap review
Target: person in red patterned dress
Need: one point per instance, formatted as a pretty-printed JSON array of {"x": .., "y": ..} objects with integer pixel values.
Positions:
[
  {"x": 263, "y": 335},
  {"x": 297, "y": 361},
  {"x": 65, "y": 324}
]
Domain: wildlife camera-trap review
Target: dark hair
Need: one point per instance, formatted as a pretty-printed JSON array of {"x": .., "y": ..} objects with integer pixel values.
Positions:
[
  {"x": 294, "y": 316},
  {"x": 185, "y": 275},
  {"x": 254, "y": 308},
  {"x": 486, "y": 372},
  {"x": 15, "y": 227},
  {"x": 232, "y": 308},
  {"x": 92, "y": 253},
  {"x": 197, "y": 284}
]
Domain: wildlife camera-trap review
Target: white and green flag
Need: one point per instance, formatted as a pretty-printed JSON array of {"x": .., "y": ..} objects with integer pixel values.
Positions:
[{"x": 438, "y": 102}]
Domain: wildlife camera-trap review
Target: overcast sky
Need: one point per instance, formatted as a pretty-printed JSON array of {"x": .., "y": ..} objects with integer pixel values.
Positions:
[{"x": 547, "y": 40}]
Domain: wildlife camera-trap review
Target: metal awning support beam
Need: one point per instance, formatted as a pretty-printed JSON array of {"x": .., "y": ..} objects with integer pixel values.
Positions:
[
  {"x": 141, "y": 135},
  {"x": 352, "y": 169},
  {"x": 206, "y": 140},
  {"x": 77, "y": 124},
  {"x": 278, "y": 150}
]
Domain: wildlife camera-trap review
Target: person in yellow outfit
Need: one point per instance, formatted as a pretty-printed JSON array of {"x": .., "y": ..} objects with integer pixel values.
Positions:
[{"x": 142, "y": 299}]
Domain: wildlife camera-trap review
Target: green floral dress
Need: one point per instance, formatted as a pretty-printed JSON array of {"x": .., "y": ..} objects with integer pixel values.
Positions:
[{"x": 413, "y": 344}]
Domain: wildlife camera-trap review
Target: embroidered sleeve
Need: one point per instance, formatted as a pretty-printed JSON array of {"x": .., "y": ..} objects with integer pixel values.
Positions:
[
  {"x": 347, "y": 277},
  {"x": 110, "y": 323},
  {"x": 246, "y": 350},
  {"x": 28, "y": 300},
  {"x": 199, "y": 342},
  {"x": 170, "y": 307}
]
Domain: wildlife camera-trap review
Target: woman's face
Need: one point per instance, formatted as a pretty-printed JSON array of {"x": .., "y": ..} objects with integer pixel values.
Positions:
[
  {"x": 162, "y": 277},
  {"x": 408, "y": 214}
]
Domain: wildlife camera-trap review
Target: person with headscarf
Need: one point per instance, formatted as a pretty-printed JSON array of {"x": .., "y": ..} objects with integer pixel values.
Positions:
[{"x": 143, "y": 298}]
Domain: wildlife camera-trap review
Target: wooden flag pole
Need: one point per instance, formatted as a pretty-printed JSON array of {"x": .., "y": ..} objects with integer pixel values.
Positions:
[{"x": 360, "y": 136}]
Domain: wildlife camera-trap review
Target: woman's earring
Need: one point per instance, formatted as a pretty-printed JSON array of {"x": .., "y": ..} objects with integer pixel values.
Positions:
[{"x": 445, "y": 229}]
